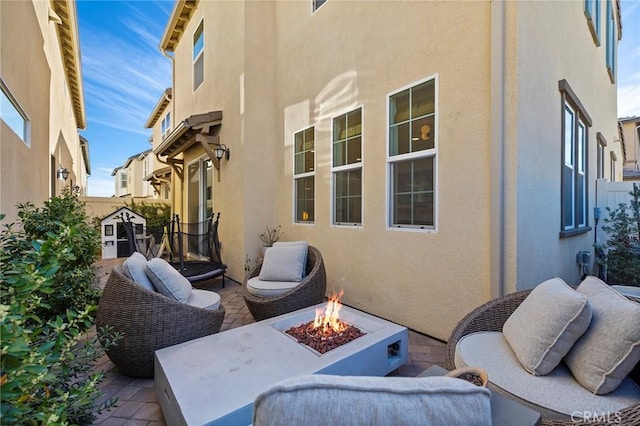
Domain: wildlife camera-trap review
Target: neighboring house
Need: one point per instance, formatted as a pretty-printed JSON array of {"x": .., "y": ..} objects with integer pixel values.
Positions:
[
  {"x": 129, "y": 178},
  {"x": 160, "y": 123},
  {"x": 630, "y": 136},
  {"x": 438, "y": 154},
  {"x": 42, "y": 103}
]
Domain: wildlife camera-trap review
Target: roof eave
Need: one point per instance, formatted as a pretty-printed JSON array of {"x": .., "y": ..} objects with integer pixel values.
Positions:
[
  {"x": 159, "y": 108},
  {"x": 178, "y": 19}
]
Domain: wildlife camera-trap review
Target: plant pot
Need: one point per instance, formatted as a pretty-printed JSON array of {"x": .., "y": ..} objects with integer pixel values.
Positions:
[{"x": 474, "y": 375}]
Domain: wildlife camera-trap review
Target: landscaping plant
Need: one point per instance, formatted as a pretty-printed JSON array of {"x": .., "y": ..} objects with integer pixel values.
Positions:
[
  {"x": 47, "y": 359},
  {"x": 623, "y": 255}
]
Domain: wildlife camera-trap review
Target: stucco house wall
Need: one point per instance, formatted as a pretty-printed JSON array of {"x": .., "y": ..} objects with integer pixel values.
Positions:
[{"x": 276, "y": 68}]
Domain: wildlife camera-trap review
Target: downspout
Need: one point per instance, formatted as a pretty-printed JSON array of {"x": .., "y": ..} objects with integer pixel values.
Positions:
[
  {"x": 173, "y": 117},
  {"x": 497, "y": 249}
]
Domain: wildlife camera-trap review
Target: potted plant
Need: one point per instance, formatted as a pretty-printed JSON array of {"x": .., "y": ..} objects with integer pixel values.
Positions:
[
  {"x": 474, "y": 375},
  {"x": 270, "y": 236}
]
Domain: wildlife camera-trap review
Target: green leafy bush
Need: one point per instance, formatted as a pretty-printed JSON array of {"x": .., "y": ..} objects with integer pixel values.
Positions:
[
  {"x": 157, "y": 214},
  {"x": 75, "y": 282},
  {"x": 623, "y": 255},
  {"x": 47, "y": 359}
]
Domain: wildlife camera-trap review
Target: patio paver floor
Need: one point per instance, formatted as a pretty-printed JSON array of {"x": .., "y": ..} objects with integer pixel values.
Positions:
[{"x": 137, "y": 402}]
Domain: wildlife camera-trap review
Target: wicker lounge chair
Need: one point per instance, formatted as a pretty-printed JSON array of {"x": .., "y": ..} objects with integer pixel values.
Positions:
[
  {"x": 491, "y": 317},
  {"x": 148, "y": 321},
  {"x": 309, "y": 292}
]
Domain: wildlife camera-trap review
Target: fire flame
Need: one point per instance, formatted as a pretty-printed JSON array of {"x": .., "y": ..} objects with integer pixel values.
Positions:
[{"x": 328, "y": 320}]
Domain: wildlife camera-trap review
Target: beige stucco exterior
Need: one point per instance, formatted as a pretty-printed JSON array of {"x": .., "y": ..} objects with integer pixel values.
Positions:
[
  {"x": 275, "y": 68},
  {"x": 42, "y": 72},
  {"x": 630, "y": 132},
  {"x": 136, "y": 168}
]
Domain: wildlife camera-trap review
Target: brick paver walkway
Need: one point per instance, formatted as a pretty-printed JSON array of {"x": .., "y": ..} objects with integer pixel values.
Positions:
[{"x": 137, "y": 403}]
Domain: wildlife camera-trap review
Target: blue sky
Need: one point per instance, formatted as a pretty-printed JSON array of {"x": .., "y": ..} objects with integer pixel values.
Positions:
[{"x": 125, "y": 74}]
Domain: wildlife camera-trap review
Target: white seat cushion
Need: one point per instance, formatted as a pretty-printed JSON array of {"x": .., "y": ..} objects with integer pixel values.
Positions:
[
  {"x": 261, "y": 288},
  {"x": 344, "y": 400},
  {"x": 556, "y": 393},
  {"x": 204, "y": 299},
  {"x": 134, "y": 267}
]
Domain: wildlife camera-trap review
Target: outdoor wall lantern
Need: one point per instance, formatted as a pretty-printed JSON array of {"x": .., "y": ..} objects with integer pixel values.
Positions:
[
  {"x": 63, "y": 173},
  {"x": 221, "y": 151}
]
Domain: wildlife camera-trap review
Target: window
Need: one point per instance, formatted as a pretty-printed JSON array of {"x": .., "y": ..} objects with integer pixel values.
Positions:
[
  {"x": 412, "y": 156},
  {"x": 304, "y": 175},
  {"x": 575, "y": 123},
  {"x": 347, "y": 168},
  {"x": 200, "y": 190},
  {"x": 592, "y": 12},
  {"x": 611, "y": 42},
  {"x": 198, "y": 56},
  {"x": 13, "y": 115},
  {"x": 317, "y": 3},
  {"x": 123, "y": 180},
  {"x": 602, "y": 143},
  {"x": 166, "y": 125},
  {"x": 612, "y": 170}
]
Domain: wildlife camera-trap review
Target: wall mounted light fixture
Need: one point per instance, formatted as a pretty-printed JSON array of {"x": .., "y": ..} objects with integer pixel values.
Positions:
[
  {"x": 221, "y": 151},
  {"x": 63, "y": 173}
]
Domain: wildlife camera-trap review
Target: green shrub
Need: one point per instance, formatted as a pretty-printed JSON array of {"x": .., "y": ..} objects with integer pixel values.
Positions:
[
  {"x": 46, "y": 366},
  {"x": 157, "y": 214},
  {"x": 623, "y": 255},
  {"x": 65, "y": 218}
]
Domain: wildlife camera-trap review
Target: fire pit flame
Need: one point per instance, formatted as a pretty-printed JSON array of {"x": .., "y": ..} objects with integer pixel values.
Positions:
[
  {"x": 326, "y": 331},
  {"x": 328, "y": 320}
]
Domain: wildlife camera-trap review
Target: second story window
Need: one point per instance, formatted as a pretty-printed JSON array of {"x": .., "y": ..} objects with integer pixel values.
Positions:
[
  {"x": 198, "y": 56},
  {"x": 304, "y": 175},
  {"x": 317, "y": 3},
  {"x": 592, "y": 12},
  {"x": 612, "y": 41},
  {"x": 124, "y": 180},
  {"x": 13, "y": 115},
  {"x": 166, "y": 125},
  {"x": 602, "y": 143}
]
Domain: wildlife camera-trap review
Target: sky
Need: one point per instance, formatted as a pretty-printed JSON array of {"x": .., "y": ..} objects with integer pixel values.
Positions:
[{"x": 125, "y": 74}]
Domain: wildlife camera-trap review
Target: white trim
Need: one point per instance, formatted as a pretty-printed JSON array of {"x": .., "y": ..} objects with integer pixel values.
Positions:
[
  {"x": 433, "y": 152},
  {"x": 304, "y": 175},
  {"x": 26, "y": 131},
  {"x": 346, "y": 167}
]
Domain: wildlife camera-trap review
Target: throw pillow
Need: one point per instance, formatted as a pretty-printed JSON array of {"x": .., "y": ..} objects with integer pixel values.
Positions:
[
  {"x": 284, "y": 263},
  {"x": 294, "y": 244},
  {"x": 134, "y": 268},
  {"x": 610, "y": 348},
  {"x": 334, "y": 400},
  {"x": 546, "y": 325},
  {"x": 168, "y": 280}
]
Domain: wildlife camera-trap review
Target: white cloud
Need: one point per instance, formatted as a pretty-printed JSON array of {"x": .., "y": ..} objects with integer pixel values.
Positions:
[{"x": 629, "y": 100}]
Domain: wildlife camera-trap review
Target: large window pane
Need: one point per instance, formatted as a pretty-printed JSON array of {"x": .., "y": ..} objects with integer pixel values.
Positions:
[
  {"x": 422, "y": 132},
  {"x": 10, "y": 113},
  {"x": 399, "y": 107},
  {"x": 399, "y": 139},
  {"x": 348, "y": 198},
  {"x": 305, "y": 190},
  {"x": 413, "y": 192},
  {"x": 354, "y": 150},
  {"x": 423, "y": 99}
]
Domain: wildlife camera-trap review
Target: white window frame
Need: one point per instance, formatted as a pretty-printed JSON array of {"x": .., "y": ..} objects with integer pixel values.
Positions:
[
  {"x": 433, "y": 152},
  {"x": 165, "y": 128},
  {"x": 316, "y": 4},
  {"x": 574, "y": 157},
  {"x": 612, "y": 166},
  {"x": 124, "y": 179},
  {"x": 199, "y": 55},
  {"x": 298, "y": 176},
  {"x": 602, "y": 143},
  {"x": 592, "y": 12},
  {"x": 25, "y": 133},
  {"x": 348, "y": 167}
]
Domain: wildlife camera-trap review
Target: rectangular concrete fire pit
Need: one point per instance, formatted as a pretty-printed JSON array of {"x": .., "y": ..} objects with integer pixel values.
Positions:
[{"x": 215, "y": 379}]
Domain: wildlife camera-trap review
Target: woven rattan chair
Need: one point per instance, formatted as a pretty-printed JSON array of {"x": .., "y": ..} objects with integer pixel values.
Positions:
[
  {"x": 309, "y": 292},
  {"x": 491, "y": 317},
  {"x": 148, "y": 321}
]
